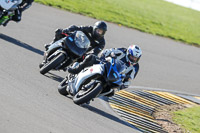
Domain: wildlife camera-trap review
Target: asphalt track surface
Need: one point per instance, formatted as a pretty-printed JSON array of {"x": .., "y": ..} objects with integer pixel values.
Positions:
[{"x": 29, "y": 101}]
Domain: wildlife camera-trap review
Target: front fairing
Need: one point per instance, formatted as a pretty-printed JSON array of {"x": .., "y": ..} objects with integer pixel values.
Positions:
[
  {"x": 88, "y": 73},
  {"x": 115, "y": 71},
  {"x": 77, "y": 47}
]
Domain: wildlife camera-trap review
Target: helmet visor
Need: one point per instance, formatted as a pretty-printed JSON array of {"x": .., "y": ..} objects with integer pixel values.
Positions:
[
  {"x": 133, "y": 59},
  {"x": 99, "y": 32}
]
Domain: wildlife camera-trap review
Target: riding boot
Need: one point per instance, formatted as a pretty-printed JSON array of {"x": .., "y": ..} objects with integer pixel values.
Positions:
[
  {"x": 46, "y": 46},
  {"x": 88, "y": 61},
  {"x": 77, "y": 69}
]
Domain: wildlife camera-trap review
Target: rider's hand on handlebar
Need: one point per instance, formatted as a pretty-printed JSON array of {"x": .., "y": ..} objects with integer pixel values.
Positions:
[
  {"x": 112, "y": 54},
  {"x": 65, "y": 31},
  {"x": 58, "y": 31}
]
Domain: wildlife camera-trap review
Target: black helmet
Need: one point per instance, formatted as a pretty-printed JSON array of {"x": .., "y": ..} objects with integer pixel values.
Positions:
[{"x": 99, "y": 29}]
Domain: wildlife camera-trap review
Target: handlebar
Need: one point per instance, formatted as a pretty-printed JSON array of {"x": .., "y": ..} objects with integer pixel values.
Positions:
[{"x": 64, "y": 34}]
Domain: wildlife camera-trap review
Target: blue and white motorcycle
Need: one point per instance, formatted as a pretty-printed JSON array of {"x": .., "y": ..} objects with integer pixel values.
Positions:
[{"x": 93, "y": 81}]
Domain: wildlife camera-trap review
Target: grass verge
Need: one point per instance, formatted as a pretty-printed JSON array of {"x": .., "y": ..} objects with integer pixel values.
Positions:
[
  {"x": 188, "y": 118},
  {"x": 152, "y": 16}
]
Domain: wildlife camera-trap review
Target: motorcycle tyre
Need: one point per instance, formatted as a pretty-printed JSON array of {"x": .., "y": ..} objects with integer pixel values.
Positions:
[
  {"x": 92, "y": 93},
  {"x": 62, "y": 87},
  {"x": 52, "y": 64}
]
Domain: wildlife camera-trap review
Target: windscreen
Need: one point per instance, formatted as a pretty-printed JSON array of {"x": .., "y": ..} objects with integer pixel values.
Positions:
[
  {"x": 116, "y": 68},
  {"x": 81, "y": 40}
]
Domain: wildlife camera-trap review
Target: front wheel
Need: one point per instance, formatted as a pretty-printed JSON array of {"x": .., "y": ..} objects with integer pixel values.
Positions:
[
  {"x": 84, "y": 96},
  {"x": 62, "y": 87},
  {"x": 53, "y": 63}
]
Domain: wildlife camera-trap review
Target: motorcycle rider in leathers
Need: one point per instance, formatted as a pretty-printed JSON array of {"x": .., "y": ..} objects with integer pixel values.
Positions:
[
  {"x": 129, "y": 56},
  {"x": 18, "y": 12},
  {"x": 94, "y": 33}
]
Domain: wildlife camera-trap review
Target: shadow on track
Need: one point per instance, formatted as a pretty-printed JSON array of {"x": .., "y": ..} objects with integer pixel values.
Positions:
[
  {"x": 54, "y": 77},
  {"x": 21, "y": 44},
  {"x": 107, "y": 115}
]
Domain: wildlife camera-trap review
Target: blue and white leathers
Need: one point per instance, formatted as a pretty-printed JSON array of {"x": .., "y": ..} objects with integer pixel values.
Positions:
[{"x": 120, "y": 53}]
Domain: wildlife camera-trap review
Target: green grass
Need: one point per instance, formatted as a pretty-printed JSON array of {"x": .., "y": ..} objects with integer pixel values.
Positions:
[
  {"x": 189, "y": 119},
  {"x": 153, "y": 16}
]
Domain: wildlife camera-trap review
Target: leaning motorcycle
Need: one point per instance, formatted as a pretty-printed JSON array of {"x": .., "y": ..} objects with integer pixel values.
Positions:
[
  {"x": 64, "y": 51},
  {"x": 93, "y": 81},
  {"x": 7, "y": 9}
]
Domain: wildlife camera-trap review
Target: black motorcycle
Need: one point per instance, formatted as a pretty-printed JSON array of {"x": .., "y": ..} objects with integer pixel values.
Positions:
[
  {"x": 94, "y": 81},
  {"x": 64, "y": 51}
]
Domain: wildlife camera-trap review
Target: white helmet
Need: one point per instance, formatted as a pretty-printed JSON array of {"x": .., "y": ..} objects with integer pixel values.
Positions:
[{"x": 133, "y": 54}]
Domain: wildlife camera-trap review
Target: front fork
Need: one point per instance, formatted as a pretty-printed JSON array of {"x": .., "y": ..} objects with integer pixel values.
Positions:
[
  {"x": 54, "y": 50},
  {"x": 50, "y": 51}
]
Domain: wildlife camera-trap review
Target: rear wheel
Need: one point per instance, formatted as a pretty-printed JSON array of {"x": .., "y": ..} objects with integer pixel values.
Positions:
[
  {"x": 52, "y": 64},
  {"x": 62, "y": 87},
  {"x": 84, "y": 96}
]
